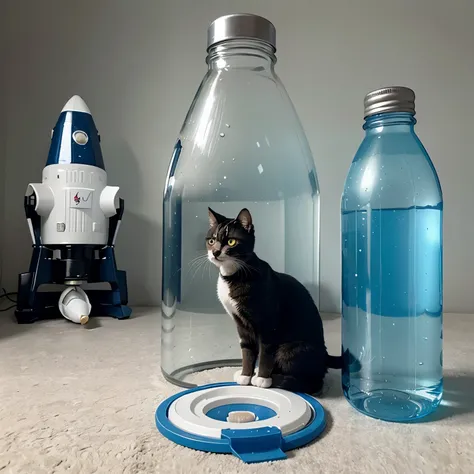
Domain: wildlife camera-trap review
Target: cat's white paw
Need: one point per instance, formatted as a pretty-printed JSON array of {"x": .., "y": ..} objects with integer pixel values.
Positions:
[
  {"x": 261, "y": 382},
  {"x": 241, "y": 379}
]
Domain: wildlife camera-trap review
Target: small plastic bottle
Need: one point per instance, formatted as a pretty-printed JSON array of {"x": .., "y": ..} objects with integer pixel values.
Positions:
[{"x": 392, "y": 275}]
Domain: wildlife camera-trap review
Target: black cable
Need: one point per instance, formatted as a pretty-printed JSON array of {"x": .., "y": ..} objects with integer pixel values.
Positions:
[{"x": 7, "y": 295}]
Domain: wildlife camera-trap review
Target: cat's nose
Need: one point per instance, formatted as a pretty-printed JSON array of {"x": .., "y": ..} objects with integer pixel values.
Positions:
[{"x": 216, "y": 253}]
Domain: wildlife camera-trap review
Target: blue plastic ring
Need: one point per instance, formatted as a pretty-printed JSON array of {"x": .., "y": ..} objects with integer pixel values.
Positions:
[{"x": 213, "y": 445}]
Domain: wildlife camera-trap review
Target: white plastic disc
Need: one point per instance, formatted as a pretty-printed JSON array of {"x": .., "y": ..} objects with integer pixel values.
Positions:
[{"x": 189, "y": 412}]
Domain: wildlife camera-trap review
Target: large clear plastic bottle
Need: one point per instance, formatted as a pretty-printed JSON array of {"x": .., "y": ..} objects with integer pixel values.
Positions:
[
  {"x": 241, "y": 145},
  {"x": 392, "y": 281}
]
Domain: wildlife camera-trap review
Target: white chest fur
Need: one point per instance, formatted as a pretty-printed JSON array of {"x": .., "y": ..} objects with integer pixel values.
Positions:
[{"x": 223, "y": 294}]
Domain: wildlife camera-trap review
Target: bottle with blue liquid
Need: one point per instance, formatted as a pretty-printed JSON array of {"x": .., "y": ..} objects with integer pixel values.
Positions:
[{"x": 392, "y": 267}]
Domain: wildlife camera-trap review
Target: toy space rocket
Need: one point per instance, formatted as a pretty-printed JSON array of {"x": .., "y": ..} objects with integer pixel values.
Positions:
[{"x": 73, "y": 216}]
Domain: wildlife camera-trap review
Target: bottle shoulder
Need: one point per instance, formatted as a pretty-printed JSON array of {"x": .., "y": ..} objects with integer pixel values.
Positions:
[
  {"x": 243, "y": 135},
  {"x": 391, "y": 171}
]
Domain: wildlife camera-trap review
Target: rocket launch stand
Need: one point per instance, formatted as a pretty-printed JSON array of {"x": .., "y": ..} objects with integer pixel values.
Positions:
[{"x": 62, "y": 265}]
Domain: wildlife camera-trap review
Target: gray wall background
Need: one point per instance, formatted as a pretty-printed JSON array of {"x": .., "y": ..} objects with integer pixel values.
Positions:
[{"x": 137, "y": 64}]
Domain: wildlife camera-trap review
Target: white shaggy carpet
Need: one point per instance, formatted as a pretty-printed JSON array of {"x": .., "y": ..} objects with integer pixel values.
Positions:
[{"x": 76, "y": 400}]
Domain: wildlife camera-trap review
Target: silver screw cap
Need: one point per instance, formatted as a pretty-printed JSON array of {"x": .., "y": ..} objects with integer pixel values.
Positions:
[
  {"x": 241, "y": 25},
  {"x": 389, "y": 99}
]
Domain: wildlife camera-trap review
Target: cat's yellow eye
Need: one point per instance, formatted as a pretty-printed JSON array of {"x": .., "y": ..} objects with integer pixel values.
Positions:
[
  {"x": 231, "y": 242},
  {"x": 211, "y": 241}
]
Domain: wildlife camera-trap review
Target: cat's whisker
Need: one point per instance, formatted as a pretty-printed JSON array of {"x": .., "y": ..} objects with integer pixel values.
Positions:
[
  {"x": 242, "y": 266},
  {"x": 197, "y": 259},
  {"x": 193, "y": 264},
  {"x": 248, "y": 269},
  {"x": 199, "y": 266},
  {"x": 203, "y": 255}
]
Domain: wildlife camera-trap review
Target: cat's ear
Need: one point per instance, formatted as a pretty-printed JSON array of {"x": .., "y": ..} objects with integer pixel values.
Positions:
[
  {"x": 214, "y": 218},
  {"x": 245, "y": 219}
]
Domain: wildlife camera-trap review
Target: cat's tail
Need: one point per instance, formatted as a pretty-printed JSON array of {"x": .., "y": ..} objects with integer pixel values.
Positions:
[
  {"x": 294, "y": 384},
  {"x": 334, "y": 362},
  {"x": 337, "y": 362}
]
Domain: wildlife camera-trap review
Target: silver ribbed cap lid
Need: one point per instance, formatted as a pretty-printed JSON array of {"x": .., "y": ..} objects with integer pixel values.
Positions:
[
  {"x": 389, "y": 99},
  {"x": 241, "y": 25}
]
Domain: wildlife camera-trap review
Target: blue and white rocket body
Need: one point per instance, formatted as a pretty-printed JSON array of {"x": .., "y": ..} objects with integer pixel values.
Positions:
[
  {"x": 74, "y": 217},
  {"x": 74, "y": 200}
]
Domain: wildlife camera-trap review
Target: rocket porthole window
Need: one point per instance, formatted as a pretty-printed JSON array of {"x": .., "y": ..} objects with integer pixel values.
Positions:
[{"x": 80, "y": 137}]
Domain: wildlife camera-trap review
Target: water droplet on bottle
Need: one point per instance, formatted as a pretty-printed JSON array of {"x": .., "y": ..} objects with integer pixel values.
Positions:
[
  {"x": 355, "y": 274},
  {"x": 233, "y": 159},
  {"x": 227, "y": 125},
  {"x": 425, "y": 338},
  {"x": 393, "y": 324},
  {"x": 360, "y": 250},
  {"x": 222, "y": 134},
  {"x": 225, "y": 177},
  {"x": 209, "y": 184},
  {"x": 420, "y": 363}
]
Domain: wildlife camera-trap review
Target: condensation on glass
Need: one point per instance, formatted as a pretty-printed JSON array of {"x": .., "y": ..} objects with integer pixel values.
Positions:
[{"x": 241, "y": 145}]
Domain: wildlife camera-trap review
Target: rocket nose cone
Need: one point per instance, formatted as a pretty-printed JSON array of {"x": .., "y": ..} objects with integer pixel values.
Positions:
[{"x": 76, "y": 104}]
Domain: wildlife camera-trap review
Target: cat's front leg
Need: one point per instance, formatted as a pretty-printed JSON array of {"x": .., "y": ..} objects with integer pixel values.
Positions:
[
  {"x": 266, "y": 362},
  {"x": 249, "y": 347}
]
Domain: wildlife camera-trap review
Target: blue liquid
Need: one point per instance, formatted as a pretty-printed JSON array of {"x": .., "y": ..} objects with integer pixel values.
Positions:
[{"x": 392, "y": 311}]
